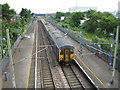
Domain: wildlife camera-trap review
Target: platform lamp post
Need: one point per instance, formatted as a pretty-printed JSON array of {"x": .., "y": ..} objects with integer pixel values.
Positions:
[
  {"x": 3, "y": 58},
  {"x": 115, "y": 54},
  {"x": 18, "y": 31},
  {"x": 110, "y": 53},
  {"x": 81, "y": 38},
  {"x": 116, "y": 45},
  {"x": 112, "y": 35}
]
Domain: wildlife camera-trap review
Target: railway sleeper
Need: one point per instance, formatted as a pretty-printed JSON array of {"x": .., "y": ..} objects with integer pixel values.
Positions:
[
  {"x": 48, "y": 83},
  {"x": 49, "y": 87},
  {"x": 45, "y": 68},
  {"x": 46, "y": 72},
  {"x": 47, "y": 78},
  {"x": 71, "y": 76},
  {"x": 75, "y": 86},
  {"x": 73, "y": 81}
]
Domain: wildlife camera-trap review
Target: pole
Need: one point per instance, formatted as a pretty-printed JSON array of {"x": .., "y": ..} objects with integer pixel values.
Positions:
[
  {"x": 110, "y": 53},
  {"x": 18, "y": 31},
  {"x": 3, "y": 57},
  {"x": 115, "y": 53},
  {"x": 36, "y": 54},
  {"x": 81, "y": 40},
  {"x": 11, "y": 59},
  {"x": 76, "y": 5}
]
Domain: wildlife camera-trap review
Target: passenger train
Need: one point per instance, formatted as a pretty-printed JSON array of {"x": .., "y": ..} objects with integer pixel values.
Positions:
[{"x": 62, "y": 47}]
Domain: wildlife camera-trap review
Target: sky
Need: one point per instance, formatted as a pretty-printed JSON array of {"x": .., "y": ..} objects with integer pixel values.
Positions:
[{"x": 52, "y": 6}]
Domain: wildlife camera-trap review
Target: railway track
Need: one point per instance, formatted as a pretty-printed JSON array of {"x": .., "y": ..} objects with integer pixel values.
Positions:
[
  {"x": 81, "y": 75},
  {"x": 40, "y": 72},
  {"x": 43, "y": 74},
  {"x": 76, "y": 78},
  {"x": 44, "y": 70},
  {"x": 72, "y": 79}
]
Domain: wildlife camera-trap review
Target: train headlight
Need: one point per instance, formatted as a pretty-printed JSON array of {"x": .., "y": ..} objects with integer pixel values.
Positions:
[
  {"x": 61, "y": 58},
  {"x": 72, "y": 57}
]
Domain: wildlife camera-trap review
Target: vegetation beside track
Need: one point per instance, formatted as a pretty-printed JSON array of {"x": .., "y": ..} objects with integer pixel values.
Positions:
[
  {"x": 96, "y": 27},
  {"x": 16, "y": 23}
]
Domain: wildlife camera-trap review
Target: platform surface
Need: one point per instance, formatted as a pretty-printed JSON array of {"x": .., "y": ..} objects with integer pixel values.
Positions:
[{"x": 21, "y": 59}]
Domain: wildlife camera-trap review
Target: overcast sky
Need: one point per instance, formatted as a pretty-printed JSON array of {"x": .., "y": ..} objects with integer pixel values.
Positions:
[{"x": 51, "y": 6}]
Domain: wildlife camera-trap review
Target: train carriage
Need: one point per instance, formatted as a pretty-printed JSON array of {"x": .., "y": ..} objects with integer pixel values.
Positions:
[{"x": 64, "y": 50}]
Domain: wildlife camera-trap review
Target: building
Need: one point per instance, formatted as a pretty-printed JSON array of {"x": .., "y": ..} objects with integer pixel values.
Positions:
[{"x": 82, "y": 9}]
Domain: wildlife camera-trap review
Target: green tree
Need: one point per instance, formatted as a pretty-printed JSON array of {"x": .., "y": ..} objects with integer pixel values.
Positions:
[
  {"x": 25, "y": 14},
  {"x": 15, "y": 27},
  {"x": 59, "y": 14},
  {"x": 76, "y": 17},
  {"x": 108, "y": 23},
  {"x": 91, "y": 24},
  {"x": 7, "y": 13}
]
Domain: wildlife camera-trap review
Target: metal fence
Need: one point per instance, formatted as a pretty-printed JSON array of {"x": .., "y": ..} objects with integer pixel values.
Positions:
[{"x": 92, "y": 47}]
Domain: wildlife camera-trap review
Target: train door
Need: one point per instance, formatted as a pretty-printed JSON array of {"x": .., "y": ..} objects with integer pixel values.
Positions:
[
  {"x": 67, "y": 55},
  {"x": 61, "y": 54},
  {"x": 71, "y": 54}
]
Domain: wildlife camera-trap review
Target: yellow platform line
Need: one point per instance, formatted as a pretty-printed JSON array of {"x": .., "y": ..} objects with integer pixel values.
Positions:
[
  {"x": 27, "y": 81},
  {"x": 92, "y": 72}
]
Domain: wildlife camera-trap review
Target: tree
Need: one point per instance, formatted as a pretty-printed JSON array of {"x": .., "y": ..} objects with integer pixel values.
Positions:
[
  {"x": 59, "y": 14},
  {"x": 91, "y": 24},
  {"x": 7, "y": 13},
  {"x": 108, "y": 22},
  {"x": 25, "y": 14},
  {"x": 76, "y": 17},
  {"x": 105, "y": 21}
]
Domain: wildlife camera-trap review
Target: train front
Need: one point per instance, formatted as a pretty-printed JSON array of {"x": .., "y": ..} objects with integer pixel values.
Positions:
[{"x": 66, "y": 54}]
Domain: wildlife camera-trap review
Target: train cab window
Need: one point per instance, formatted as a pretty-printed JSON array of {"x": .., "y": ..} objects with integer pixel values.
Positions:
[
  {"x": 61, "y": 52},
  {"x": 71, "y": 51},
  {"x": 66, "y": 52}
]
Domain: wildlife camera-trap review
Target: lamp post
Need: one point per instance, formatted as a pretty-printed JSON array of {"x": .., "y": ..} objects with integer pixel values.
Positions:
[
  {"x": 3, "y": 58},
  {"x": 115, "y": 54},
  {"x": 110, "y": 53},
  {"x": 81, "y": 38},
  {"x": 18, "y": 31},
  {"x": 111, "y": 34}
]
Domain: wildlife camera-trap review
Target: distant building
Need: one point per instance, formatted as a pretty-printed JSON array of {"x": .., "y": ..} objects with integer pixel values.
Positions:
[
  {"x": 39, "y": 14},
  {"x": 82, "y": 9}
]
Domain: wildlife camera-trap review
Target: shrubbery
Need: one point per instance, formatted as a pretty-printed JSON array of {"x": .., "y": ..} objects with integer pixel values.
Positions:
[
  {"x": 15, "y": 25},
  {"x": 96, "y": 28}
]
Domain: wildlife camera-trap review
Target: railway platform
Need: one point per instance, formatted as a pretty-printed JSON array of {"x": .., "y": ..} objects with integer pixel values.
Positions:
[
  {"x": 21, "y": 59},
  {"x": 95, "y": 67}
]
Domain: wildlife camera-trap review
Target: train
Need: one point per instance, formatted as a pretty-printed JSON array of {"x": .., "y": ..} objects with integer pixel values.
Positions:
[{"x": 63, "y": 48}]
